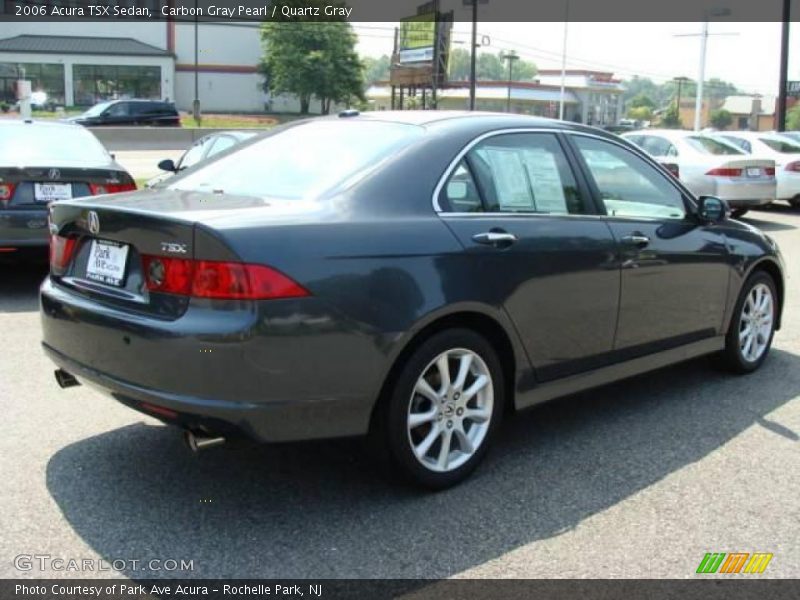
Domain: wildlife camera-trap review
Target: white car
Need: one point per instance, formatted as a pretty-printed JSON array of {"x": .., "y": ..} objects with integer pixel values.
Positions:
[
  {"x": 782, "y": 149},
  {"x": 711, "y": 167}
]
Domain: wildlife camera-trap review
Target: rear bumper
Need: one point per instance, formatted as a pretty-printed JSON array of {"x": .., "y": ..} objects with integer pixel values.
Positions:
[
  {"x": 23, "y": 228},
  {"x": 745, "y": 194},
  {"x": 748, "y": 203},
  {"x": 264, "y": 376}
]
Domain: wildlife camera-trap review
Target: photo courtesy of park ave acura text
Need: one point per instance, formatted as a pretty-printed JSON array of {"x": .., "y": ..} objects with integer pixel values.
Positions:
[{"x": 476, "y": 299}]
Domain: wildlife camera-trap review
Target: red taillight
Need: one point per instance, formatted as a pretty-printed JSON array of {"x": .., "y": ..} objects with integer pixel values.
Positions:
[
  {"x": 6, "y": 192},
  {"x": 770, "y": 171},
  {"x": 61, "y": 251},
  {"x": 98, "y": 189},
  {"x": 170, "y": 275},
  {"x": 793, "y": 166},
  {"x": 219, "y": 280},
  {"x": 725, "y": 172}
]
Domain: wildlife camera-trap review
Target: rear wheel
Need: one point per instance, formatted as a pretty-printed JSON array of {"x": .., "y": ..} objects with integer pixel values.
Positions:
[
  {"x": 795, "y": 202},
  {"x": 738, "y": 213},
  {"x": 751, "y": 330},
  {"x": 444, "y": 408}
]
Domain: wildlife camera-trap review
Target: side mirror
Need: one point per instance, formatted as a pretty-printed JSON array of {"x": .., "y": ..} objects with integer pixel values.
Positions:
[
  {"x": 168, "y": 165},
  {"x": 712, "y": 209}
]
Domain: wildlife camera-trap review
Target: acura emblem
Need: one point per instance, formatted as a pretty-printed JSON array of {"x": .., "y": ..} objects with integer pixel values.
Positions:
[
  {"x": 94, "y": 222},
  {"x": 54, "y": 174}
]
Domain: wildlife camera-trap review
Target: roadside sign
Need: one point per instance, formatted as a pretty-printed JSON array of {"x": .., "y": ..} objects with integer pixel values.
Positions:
[{"x": 793, "y": 88}]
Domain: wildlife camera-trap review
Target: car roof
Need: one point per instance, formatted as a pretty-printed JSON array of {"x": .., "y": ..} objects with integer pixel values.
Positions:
[
  {"x": 55, "y": 124},
  {"x": 473, "y": 121},
  {"x": 670, "y": 134}
]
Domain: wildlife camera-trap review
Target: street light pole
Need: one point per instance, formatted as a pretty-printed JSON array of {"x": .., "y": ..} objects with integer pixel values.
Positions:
[
  {"x": 563, "y": 64},
  {"x": 196, "y": 103},
  {"x": 510, "y": 57},
  {"x": 780, "y": 116},
  {"x": 698, "y": 101},
  {"x": 473, "y": 55}
]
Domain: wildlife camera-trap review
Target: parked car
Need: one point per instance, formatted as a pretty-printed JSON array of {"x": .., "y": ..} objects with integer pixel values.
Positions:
[
  {"x": 794, "y": 135},
  {"x": 130, "y": 112},
  {"x": 406, "y": 275},
  {"x": 784, "y": 151},
  {"x": 708, "y": 166},
  {"x": 45, "y": 162},
  {"x": 206, "y": 147}
]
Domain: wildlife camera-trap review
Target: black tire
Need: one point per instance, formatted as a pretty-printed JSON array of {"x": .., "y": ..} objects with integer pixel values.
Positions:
[
  {"x": 738, "y": 213},
  {"x": 390, "y": 426},
  {"x": 732, "y": 358},
  {"x": 795, "y": 202}
]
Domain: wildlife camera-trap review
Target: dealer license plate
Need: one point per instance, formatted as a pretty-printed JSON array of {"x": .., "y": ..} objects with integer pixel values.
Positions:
[
  {"x": 107, "y": 262},
  {"x": 52, "y": 192}
]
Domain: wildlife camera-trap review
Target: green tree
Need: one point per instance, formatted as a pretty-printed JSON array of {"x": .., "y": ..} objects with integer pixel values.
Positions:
[
  {"x": 642, "y": 100},
  {"x": 793, "y": 118},
  {"x": 488, "y": 67},
  {"x": 670, "y": 118},
  {"x": 376, "y": 69},
  {"x": 311, "y": 59},
  {"x": 640, "y": 113},
  {"x": 721, "y": 118}
]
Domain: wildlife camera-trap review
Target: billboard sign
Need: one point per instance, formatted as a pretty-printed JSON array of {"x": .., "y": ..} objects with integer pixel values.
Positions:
[
  {"x": 417, "y": 39},
  {"x": 793, "y": 88}
]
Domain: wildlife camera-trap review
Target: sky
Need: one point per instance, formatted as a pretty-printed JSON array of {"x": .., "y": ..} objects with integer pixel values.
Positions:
[{"x": 748, "y": 55}]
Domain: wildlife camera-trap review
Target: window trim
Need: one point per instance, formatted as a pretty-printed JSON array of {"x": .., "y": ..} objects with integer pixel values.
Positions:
[{"x": 568, "y": 151}]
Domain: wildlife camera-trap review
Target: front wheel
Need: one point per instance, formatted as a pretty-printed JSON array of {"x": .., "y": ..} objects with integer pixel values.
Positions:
[
  {"x": 751, "y": 330},
  {"x": 444, "y": 408}
]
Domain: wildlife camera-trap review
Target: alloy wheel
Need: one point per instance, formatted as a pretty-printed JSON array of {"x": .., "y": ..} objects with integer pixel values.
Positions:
[
  {"x": 450, "y": 410},
  {"x": 755, "y": 322}
]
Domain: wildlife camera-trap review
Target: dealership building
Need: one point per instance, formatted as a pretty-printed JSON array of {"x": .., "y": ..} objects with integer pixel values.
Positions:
[{"x": 81, "y": 63}]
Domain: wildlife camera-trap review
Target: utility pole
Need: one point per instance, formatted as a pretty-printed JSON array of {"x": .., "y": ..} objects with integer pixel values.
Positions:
[
  {"x": 698, "y": 103},
  {"x": 473, "y": 56},
  {"x": 510, "y": 57},
  {"x": 563, "y": 64},
  {"x": 196, "y": 103},
  {"x": 680, "y": 81},
  {"x": 780, "y": 116}
]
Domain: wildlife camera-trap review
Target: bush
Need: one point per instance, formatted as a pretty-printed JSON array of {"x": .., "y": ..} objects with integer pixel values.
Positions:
[
  {"x": 721, "y": 119},
  {"x": 5, "y": 106}
]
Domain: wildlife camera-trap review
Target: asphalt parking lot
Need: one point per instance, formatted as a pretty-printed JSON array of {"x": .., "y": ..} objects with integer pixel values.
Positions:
[{"x": 638, "y": 479}]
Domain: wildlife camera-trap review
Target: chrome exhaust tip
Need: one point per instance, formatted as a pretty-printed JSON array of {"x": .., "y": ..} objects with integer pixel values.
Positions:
[
  {"x": 65, "y": 380},
  {"x": 200, "y": 441}
]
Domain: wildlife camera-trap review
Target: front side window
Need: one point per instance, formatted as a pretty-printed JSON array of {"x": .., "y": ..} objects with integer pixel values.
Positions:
[
  {"x": 522, "y": 172},
  {"x": 628, "y": 185}
]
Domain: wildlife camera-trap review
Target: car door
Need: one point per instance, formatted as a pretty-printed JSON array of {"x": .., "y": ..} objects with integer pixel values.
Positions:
[
  {"x": 675, "y": 269},
  {"x": 539, "y": 250}
]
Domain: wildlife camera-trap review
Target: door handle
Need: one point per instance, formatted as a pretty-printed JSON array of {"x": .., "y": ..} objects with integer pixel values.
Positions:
[
  {"x": 636, "y": 239},
  {"x": 494, "y": 238}
]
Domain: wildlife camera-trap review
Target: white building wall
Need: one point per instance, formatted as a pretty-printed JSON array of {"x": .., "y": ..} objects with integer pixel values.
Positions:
[
  {"x": 218, "y": 44},
  {"x": 221, "y": 92}
]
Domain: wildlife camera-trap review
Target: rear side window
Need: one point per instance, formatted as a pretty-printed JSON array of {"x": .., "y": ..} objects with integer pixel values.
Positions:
[
  {"x": 706, "y": 145},
  {"x": 657, "y": 146},
  {"x": 781, "y": 146},
  {"x": 517, "y": 172}
]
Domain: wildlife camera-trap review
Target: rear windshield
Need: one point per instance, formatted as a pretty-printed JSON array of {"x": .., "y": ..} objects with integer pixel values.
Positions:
[
  {"x": 707, "y": 145},
  {"x": 782, "y": 146},
  {"x": 29, "y": 143},
  {"x": 302, "y": 161}
]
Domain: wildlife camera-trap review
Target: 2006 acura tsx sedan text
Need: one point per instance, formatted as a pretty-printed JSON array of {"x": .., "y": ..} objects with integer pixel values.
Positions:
[{"x": 409, "y": 275}]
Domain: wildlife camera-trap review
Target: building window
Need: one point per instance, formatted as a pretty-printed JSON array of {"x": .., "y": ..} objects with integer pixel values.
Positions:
[
  {"x": 47, "y": 78},
  {"x": 96, "y": 83}
]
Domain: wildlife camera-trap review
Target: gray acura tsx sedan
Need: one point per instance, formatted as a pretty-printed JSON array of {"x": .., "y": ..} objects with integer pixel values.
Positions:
[{"x": 405, "y": 275}]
